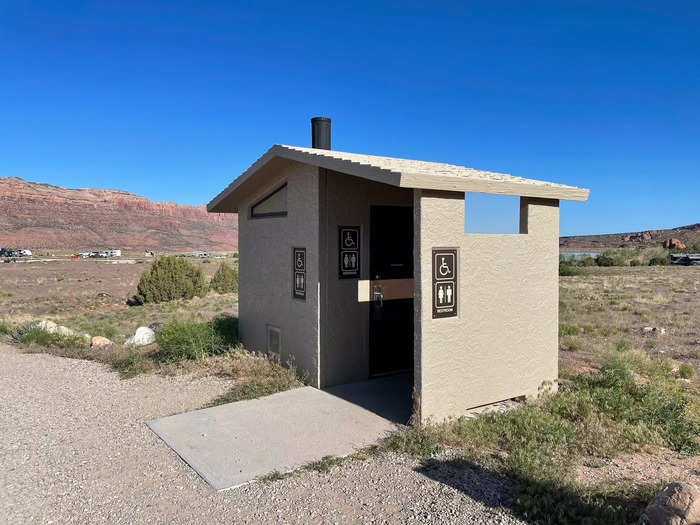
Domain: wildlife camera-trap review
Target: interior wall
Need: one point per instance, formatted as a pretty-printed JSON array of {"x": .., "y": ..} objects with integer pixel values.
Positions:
[
  {"x": 265, "y": 269},
  {"x": 503, "y": 342},
  {"x": 346, "y": 201}
]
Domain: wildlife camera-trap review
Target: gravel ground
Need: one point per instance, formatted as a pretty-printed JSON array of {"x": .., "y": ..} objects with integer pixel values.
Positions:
[{"x": 74, "y": 449}]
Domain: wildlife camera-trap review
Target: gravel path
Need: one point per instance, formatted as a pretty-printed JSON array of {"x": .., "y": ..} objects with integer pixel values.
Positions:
[{"x": 74, "y": 449}]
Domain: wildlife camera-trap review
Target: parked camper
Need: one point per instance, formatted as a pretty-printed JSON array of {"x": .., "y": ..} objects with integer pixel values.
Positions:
[
  {"x": 685, "y": 259},
  {"x": 25, "y": 253},
  {"x": 201, "y": 254}
]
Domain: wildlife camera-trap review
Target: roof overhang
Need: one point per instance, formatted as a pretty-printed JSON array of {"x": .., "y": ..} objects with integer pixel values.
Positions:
[{"x": 228, "y": 201}]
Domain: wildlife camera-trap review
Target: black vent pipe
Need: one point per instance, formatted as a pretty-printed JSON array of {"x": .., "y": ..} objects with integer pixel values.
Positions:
[{"x": 321, "y": 133}]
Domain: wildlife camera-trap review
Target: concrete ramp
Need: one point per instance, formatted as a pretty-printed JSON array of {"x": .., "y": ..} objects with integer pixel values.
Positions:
[{"x": 232, "y": 444}]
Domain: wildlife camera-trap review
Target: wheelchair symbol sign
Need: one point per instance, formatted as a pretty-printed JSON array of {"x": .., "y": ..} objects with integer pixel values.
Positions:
[
  {"x": 445, "y": 284},
  {"x": 444, "y": 265},
  {"x": 349, "y": 252}
]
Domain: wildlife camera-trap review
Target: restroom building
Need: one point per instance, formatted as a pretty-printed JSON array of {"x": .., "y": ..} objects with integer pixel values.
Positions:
[{"x": 358, "y": 266}]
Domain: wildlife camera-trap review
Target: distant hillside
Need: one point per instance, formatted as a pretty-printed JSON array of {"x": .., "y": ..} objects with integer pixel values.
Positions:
[
  {"x": 34, "y": 215},
  {"x": 687, "y": 234}
]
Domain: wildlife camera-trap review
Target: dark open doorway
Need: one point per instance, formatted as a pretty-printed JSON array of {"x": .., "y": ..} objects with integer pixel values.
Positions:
[{"x": 390, "y": 320}]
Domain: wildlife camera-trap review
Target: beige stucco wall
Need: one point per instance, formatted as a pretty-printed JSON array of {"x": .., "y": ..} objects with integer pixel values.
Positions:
[
  {"x": 346, "y": 201},
  {"x": 265, "y": 250},
  {"x": 503, "y": 343}
]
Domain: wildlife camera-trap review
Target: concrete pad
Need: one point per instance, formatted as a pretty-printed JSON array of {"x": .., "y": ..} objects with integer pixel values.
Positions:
[{"x": 232, "y": 444}]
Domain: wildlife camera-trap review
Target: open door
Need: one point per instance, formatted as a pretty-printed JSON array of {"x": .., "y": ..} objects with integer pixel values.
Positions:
[{"x": 391, "y": 290}]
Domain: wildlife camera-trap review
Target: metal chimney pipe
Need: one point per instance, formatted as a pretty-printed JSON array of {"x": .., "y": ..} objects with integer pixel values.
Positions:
[{"x": 321, "y": 133}]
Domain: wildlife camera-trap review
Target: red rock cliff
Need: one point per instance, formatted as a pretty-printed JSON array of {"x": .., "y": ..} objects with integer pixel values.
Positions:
[{"x": 34, "y": 215}]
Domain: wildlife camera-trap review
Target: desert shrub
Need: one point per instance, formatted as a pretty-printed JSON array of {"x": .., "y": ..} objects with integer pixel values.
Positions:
[
  {"x": 257, "y": 376},
  {"x": 658, "y": 261},
  {"x": 131, "y": 362},
  {"x": 567, "y": 269},
  {"x": 226, "y": 327},
  {"x": 195, "y": 339},
  {"x": 187, "y": 339},
  {"x": 538, "y": 444},
  {"x": 170, "y": 278},
  {"x": 637, "y": 361},
  {"x": 657, "y": 404},
  {"x": 568, "y": 329},
  {"x": 225, "y": 280},
  {"x": 5, "y": 327},
  {"x": 586, "y": 260},
  {"x": 686, "y": 370},
  {"x": 604, "y": 260},
  {"x": 651, "y": 252},
  {"x": 420, "y": 442},
  {"x": 571, "y": 344},
  {"x": 635, "y": 262},
  {"x": 32, "y": 333},
  {"x": 623, "y": 345}
]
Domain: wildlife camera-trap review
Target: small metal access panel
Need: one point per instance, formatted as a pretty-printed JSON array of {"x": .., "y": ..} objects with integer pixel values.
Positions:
[
  {"x": 444, "y": 282},
  {"x": 299, "y": 273},
  {"x": 349, "y": 252}
]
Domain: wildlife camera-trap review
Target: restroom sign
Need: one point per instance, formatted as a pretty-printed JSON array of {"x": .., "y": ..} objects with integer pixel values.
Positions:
[
  {"x": 299, "y": 273},
  {"x": 349, "y": 252},
  {"x": 444, "y": 282}
]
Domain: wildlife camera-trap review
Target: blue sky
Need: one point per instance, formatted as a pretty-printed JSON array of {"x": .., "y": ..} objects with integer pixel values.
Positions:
[{"x": 173, "y": 100}]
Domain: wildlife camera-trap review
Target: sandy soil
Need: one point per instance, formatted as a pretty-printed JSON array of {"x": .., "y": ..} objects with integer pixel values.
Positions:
[{"x": 72, "y": 285}]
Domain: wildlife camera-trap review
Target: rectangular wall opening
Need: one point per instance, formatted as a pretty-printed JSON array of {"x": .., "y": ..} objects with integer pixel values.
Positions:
[{"x": 489, "y": 213}]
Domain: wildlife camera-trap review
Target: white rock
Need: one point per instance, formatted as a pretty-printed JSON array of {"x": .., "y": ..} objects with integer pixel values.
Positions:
[
  {"x": 143, "y": 336},
  {"x": 48, "y": 326}
]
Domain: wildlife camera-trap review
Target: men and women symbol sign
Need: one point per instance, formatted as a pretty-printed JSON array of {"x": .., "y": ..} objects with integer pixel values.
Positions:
[
  {"x": 349, "y": 252},
  {"x": 444, "y": 282}
]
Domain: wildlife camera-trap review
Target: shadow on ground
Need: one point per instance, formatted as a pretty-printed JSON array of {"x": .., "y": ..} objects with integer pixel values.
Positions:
[
  {"x": 535, "y": 501},
  {"x": 389, "y": 397}
]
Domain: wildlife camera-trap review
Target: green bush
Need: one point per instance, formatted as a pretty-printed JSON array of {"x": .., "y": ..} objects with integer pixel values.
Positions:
[
  {"x": 567, "y": 269},
  {"x": 194, "y": 339},
  {"x": 656, "y": 404},
  {"x": 5, "y": 327},
  {"x": 539, "y": 444},
  {"x": 225, "y": 280},
  {"x": 635, "y": 262},
  {"x": 130, "y": 362},
  {"x": 32, "y": 333},
  {"x": 658, "y": 261},
  {"x": 686, "y": 370},
  {"x": 587, "y": 260},
  {"x": 170, "y": 278},
  {"x": 604, "y": 260}
]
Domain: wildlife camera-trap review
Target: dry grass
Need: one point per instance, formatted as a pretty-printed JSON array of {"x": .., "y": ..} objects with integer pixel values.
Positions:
[{"x": 615, "y": 303}]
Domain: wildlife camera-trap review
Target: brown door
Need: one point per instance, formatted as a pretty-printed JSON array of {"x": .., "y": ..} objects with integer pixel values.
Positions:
[{"x": 390, "y": 320}]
